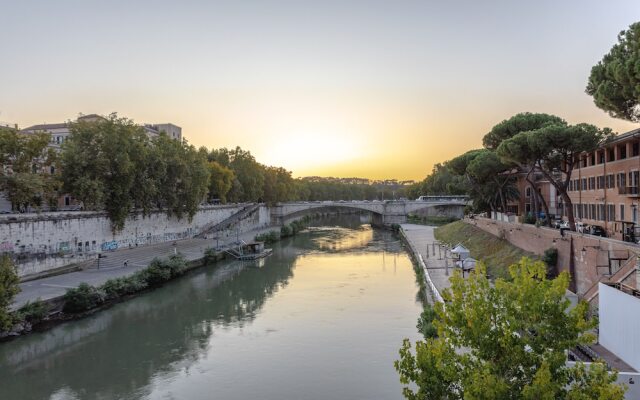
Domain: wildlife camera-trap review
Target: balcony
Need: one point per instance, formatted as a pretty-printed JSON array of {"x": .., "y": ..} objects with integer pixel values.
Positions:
[{"x": 629, "y": 191}]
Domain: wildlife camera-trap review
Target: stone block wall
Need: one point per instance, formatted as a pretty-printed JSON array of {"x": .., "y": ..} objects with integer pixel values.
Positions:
[
  {"x": 40, "y": 242},
  {"x": 586, "y": 269}
]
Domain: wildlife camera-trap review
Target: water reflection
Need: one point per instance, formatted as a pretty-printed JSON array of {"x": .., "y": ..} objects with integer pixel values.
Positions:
[{"x": 215, "y": 321}]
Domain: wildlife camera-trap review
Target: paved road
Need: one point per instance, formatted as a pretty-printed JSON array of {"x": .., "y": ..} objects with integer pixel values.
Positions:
[{"x": 113, "y": 267}]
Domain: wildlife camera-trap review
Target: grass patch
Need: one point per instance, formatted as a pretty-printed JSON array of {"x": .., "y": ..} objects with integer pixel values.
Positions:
[
  {"x": 496, "y": 253},
  {"x": 434, "y": 220}
]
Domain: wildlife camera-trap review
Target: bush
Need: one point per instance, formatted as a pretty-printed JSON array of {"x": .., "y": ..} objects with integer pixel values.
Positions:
[
  {"x": 32, "y": 313},
  {"x": 550, "y": 258},
  {"x": 8, "y": 289},
  {"x": 118, "y": 287},
  {"x": 286, "y": 231},
  {"x": 210, "y": 255},
  {"x": 82, "y": 298},
  {"x": 425, "y": 323},
  {"x": 269, "y": 237},
  {"x": 395, "y": 227}
]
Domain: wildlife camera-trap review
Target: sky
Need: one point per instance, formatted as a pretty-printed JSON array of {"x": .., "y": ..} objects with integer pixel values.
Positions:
[{"x": 374, "y": 89}]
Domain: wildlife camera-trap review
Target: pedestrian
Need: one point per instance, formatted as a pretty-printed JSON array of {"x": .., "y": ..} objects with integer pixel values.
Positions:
[{"x": 126, "y": 263}]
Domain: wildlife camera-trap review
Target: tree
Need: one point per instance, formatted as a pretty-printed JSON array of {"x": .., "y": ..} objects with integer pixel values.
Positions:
[
  {"x": 8, "y": 289},
  {"x": 220, "y": 181},
  {"x": 614, "y": 82},
  {"x": 514, "y": 335},
  {"x": 30, "y": 174},
  {"x": 517, "y": 153},
  {"x": 555, "y": 150},
  {"x": 99, "y": 165}
]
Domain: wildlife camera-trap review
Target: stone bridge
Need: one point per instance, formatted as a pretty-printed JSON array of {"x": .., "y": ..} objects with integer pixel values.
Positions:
[{"x": 384, "y": 212}]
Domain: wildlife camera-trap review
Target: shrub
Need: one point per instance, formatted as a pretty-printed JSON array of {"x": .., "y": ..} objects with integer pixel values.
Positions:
[
  {"x": 425, "y": 322},
  {"x": 550, "y": 258},
  {"x": 32, "y": 312},
  {"x": 82, "y": 298},
  {"x": 268, "y": 237},
  {"x": 210, "y": 255},
  {"x": 286, "y": 231},
  {"x": 118, "y": 287},
  {"x": 395, "y": 227},
  {"x": 8, "y": 289}
]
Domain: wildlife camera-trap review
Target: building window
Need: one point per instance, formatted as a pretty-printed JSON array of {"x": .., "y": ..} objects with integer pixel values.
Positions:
[
  {"x": 635, "y": 149},
  {"x": 612, "y": 154},
  {"x": 584, "y": 183},
  {"x": 600, "y": 157},
  {"x": 622, "y": 151},
  {"x": 622, "y": 180},
  {"x": 527, "y": 191},
  {"x": 592, "y": 159},
  {"x": 601, "y": 182},
  {"x": 611, "y": 183},
  {"x": 612, "y": 212},
  {"x": 621, "y": 212}
]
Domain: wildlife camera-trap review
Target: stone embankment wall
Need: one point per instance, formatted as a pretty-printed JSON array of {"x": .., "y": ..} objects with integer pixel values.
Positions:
[
  {"x": 43, "y": 242},
  {"x": 586, "y": 269}
]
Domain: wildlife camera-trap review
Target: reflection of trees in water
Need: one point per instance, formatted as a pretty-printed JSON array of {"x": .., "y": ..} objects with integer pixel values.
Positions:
[{"x": 162, "y": 331}]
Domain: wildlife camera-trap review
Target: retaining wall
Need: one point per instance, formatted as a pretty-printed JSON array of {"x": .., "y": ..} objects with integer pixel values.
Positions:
[
  {"x": 586, "y": 270},
  {"x": 43, "y": 242}
]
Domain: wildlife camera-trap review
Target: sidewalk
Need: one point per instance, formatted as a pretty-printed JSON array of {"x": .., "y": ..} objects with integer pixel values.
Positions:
[
  {"x": 112, "y": 266},
  {"x": 422, "y": 237}
]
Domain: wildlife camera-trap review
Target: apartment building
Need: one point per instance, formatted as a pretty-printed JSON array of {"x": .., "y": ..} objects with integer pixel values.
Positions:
[
  {"x": 528, "y": 203},
  {"x": 604, "y": 187},
  {"x": 60, "y": 131}
]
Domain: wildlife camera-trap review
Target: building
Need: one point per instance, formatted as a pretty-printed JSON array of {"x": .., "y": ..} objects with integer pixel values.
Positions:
[
  {"x": 604, "y": 187},
  {"x": 60, "y": 131},
  {"x": 528, "y": 203},
  {"x": 173, "y": 131}
]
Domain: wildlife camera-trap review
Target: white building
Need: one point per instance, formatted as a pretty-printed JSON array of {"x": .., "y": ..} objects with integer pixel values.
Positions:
[{"x": 60, "y": 131}]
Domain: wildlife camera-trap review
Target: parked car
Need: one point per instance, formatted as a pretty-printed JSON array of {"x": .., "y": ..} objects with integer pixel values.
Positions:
[{"x": 598, "y": 231}]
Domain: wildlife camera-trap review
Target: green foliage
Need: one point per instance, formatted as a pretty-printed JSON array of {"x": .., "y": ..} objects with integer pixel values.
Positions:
[
  {"x": 119, "y": 287},
  {"x": 497, "y": 254},
  {"x": 32, "y": 312},
  {"x": 522, "y": 122},
  {"x": 550, "y": 258},
  {"x": 110, "y": 164},
  {"x": 220, "y": 181},
  {"x": 431, "y": 220},
  {"x": 210, "y": 255},
  {"x": 514, "y": 335},
  {"x": 28, "y": 179},
  {"x": 285, "y": 231},
  {"x": 86, "y": 297},
  {"x": 82, "y": 298},
  {"x": 614, "y": 82},
  {"x": 9, "y": 287},
  {"x": 425, "y": 322},
  {"x": 554, "y": 151},
  {"x": 162, "y": 270},
  {"x": 268, "y": 237}
]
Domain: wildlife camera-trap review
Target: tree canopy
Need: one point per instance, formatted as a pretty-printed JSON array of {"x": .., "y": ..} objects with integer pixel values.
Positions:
[
  {"x": 614, "y": 82},
  {"x": 505, "y": 341},
  {"x": 554, "y": 150}
]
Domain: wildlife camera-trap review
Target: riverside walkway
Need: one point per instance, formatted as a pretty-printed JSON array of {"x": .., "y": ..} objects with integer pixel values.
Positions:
[
  {"x": 439, "y": 269},
  {"x": 112, "y": 266}
]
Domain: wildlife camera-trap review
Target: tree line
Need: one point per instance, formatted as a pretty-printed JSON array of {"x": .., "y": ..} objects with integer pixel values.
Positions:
[
  {"x": 111, "y": 165},
  {"x": 542, "y": 146}
]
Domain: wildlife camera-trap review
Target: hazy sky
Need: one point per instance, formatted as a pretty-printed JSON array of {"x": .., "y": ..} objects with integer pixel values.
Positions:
[{"x": 376, "y": 89}]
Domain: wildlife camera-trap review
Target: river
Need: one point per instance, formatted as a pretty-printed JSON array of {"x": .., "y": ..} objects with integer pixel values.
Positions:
[{"x": 322, "y": 318}]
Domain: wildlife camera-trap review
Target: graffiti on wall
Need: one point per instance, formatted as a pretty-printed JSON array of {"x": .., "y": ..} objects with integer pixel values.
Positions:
[{"x": 112, "y": 245}]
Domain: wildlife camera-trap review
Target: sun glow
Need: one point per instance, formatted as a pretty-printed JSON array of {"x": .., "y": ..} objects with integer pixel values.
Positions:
[{"x": 299, "y": 151}]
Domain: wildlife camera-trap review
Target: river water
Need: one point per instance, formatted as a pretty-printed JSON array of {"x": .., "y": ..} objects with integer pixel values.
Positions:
[{"x": 322, "y": 318}]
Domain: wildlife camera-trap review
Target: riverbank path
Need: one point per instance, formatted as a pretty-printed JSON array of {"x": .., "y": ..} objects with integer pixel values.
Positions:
[
  {"x": 113, "y": 266},
  {"x": 439, "y": 267}
]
